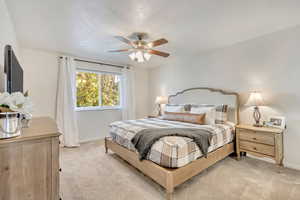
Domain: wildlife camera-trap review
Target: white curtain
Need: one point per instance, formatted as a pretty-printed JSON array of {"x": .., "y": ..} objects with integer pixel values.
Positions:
[
  {"x": 128, "y": 94},
  {"x": 65, "y": 110}
]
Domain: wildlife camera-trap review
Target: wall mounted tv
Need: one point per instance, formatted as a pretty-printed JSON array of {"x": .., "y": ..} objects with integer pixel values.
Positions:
[{"x": 13, "y": 71}]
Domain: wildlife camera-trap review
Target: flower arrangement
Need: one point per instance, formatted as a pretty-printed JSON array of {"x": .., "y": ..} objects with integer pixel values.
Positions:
[{"x": 16, "y": 102}]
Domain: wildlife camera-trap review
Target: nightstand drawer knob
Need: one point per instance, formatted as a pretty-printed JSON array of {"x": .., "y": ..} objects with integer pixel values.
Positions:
[
  {"x": 254, "y": 139},
  {"x": 254, "y": 148}
]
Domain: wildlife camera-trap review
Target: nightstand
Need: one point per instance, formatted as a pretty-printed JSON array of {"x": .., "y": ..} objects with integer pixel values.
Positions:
[{"x": 260, "y": 141}]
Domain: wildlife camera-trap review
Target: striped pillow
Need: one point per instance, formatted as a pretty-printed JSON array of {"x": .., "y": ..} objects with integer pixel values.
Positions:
[
  {"x": 221, "y": 114},
  {"x": 185, "y": 117},
  {"x": 209, "y": 113}
]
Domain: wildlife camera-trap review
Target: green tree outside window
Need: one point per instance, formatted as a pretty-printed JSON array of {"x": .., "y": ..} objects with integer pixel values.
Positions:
[{"x": 97, "y": 89}]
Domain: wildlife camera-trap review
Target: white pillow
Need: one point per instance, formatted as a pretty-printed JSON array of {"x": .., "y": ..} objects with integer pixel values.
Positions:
[
  {"x": 174, "y": 108},
  {"x": 210, "y": 113}
]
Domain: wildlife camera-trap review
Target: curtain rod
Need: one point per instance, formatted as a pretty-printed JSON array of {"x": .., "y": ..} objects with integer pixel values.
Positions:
[{"x": 100, "y": 63}]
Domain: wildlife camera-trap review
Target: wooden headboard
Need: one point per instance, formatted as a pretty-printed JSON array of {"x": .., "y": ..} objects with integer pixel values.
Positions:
[{"x": 206, "y": 95}]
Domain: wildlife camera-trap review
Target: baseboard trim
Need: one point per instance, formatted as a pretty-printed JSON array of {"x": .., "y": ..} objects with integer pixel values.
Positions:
[
  {"x": 269, "y": 160},
  {"x": 292, "y": 165},
  {"x": 285, "y": 164}
]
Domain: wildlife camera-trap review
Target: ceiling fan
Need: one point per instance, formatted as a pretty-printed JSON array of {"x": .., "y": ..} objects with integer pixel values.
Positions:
[{"x": 140, "y": 50}]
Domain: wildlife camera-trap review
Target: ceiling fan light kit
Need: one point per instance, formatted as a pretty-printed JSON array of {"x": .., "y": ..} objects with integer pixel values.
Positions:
[
  {"x": 140, "y": 56},
  {"x": 141, "y": 50}
]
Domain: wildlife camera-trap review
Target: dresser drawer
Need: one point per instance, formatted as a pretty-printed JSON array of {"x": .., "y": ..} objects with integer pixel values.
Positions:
[
  {"x": 258, "y": 148},
  {"x": 259, "y": 137}
]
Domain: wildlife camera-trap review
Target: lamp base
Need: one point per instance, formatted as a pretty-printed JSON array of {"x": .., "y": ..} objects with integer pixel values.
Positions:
[
  {"x": 256, "y": 116},
  {"x": 159, "y": 110}
]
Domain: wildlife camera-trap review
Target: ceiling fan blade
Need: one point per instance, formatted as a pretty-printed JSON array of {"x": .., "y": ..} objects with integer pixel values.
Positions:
[
  {"x": 158, "y": 53},
  {"x": 157, "y": 43},
  {"x": 119, "y": 50},
  {"x": 123, "y": 39}
]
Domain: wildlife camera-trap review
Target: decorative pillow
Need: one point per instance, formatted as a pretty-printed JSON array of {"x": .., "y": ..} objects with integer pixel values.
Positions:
[
  {"x": 174, "y": 108},
  {"x": 185, "y": 117},
  {"x": 221, "y": 114},
  {"x": 187, "y": 107},
  {"x": 202, "y": 105},
  {"x": 209, "y": 111}
]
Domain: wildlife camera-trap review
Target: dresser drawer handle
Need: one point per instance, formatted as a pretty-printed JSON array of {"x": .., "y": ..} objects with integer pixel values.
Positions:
[
  {"x": 254, "y": 148},
  {"x": 254, "y": 138}
]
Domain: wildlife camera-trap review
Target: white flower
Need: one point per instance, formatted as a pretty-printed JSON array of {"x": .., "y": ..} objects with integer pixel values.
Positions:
[
  {"x": 5, "y": 99},
  {"x": 17, "y": 102},
  {"x": 17, "y": 98}
]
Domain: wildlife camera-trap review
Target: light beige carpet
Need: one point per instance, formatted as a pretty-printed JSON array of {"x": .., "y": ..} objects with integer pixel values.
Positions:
[{"x": 90, "y": 174}]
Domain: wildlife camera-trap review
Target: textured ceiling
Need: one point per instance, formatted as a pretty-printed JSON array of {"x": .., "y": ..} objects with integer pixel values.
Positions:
[{"x": 86, "y": 28}]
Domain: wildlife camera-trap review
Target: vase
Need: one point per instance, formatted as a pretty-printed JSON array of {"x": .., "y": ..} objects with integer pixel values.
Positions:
[
  {"x": 10, "y": 125},
  {"x": 25, "y": 122}
]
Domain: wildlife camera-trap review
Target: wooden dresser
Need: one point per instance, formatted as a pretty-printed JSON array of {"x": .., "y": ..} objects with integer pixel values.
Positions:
[
  {"x": 260, "y": 141},
  {"x": 29, "y": 164}
]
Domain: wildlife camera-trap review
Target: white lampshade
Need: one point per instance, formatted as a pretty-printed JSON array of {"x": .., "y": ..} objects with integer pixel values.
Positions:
[
  {"x": 132, "y": 56},
  {"x": 255, "y": 99},
  {"x": 139, "y": 56},
  {"x": 161, "y": 100},
  {"x": 147, "y": 56}
]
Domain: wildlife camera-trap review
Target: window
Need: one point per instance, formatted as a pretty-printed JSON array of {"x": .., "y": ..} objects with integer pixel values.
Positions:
[{"x": 97, "y": 90}]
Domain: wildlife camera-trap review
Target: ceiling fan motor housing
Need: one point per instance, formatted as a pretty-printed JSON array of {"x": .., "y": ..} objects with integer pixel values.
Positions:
[
  {"x": 140, "y": 44},
  {"x": 139, "y": 36},
  {"x": 141, "y": 50}
]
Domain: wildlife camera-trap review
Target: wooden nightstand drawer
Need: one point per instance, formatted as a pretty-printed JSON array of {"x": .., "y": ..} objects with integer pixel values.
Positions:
[
  {"x": 259, "y": 137},
  {"x": 258, "y": 148},
  {"x": 260, "y": 141}
]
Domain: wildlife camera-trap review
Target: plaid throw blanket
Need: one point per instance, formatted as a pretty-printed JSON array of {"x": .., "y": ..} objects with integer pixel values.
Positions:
[
  {"x": 170, "y": 151},
  {"x": 144, "y": 139}
]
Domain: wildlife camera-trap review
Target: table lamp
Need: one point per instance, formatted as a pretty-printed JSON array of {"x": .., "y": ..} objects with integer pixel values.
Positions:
[
  {"x": 161, "y": 100},
  {"x": 256, "y": 100}
]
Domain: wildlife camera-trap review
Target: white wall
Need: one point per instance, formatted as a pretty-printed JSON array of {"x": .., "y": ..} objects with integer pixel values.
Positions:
[
  {"x": 142, "y": 92},
  {"x": 95, "y": 124},
  {"x": 270, "y": 64},
  {"x": 7, "y": 36},
  {"x": 40, "y": 79},
  {"x": 41, "y": 70}
]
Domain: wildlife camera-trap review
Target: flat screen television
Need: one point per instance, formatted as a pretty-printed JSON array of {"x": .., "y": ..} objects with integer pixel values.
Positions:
[{"x": 13, "y": 71}]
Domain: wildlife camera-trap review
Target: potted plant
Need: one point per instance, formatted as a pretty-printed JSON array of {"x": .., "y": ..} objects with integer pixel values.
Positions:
[{"x": 15, "y": 113}]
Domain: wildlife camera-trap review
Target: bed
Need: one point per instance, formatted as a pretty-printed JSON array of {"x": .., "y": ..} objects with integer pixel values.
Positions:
[
  {"x": 174, "y": 159},
  {"x": 170, "y": 151}
]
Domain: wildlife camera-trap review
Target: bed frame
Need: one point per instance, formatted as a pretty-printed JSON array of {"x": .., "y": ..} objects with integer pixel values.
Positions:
[{"x": 169, "y": 178}]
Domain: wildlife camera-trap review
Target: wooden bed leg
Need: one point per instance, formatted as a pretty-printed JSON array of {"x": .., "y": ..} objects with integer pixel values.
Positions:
[
  {"x": 105, "y": 145},
  {"x": 170, "y": 186},
  {"x": 169, "y": 195}
]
